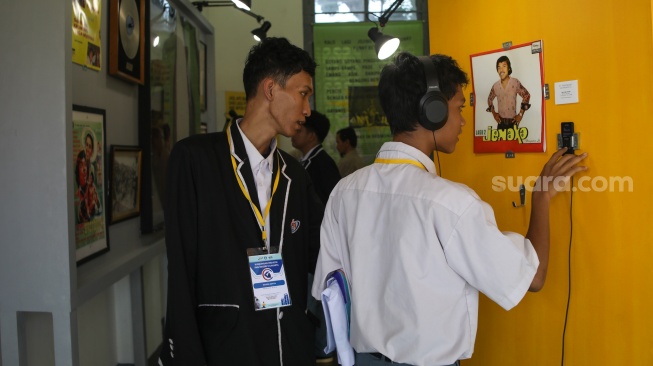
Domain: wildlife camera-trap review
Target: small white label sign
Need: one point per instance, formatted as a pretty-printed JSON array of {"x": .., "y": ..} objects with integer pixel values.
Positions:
[{"x": 566, "y": 92}]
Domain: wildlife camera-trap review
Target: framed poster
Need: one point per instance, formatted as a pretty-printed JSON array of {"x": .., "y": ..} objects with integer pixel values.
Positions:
[
  {"x": 508, "y": 99},
  {"x": 87, "y": 20},
  {"x": 127, "y": 40},
  {"x": 125, "y": 183},
  {"x": 91, "y": 229}
]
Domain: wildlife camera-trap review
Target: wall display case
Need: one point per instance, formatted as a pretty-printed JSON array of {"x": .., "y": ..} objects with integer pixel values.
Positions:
[{"x": 171, "y": 101}]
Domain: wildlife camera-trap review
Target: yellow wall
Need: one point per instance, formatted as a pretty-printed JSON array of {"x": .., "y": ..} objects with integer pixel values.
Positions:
[{"x": 607, "y": 47}]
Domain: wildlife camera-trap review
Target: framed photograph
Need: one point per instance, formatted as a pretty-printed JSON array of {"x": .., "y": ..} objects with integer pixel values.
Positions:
[
  {"x": 91, "y": 224},
  {"x": 127, "y": 40},
  {"x": 125, "y": 182},
  {"x": 509, "y": 112}
]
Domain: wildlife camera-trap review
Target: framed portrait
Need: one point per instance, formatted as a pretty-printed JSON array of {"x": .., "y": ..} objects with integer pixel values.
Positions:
[
  {"x": 127, "y": 40},
  {"x": 125, "y": 182},
  {"x": 88, "y": 163},
  {"x": 509, "y": 102}
]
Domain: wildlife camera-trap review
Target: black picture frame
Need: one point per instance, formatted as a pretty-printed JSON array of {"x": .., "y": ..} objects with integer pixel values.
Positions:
[
  {"x": 202, "y": 71},
  {"x": 125, "y": 183},
  {"x": 152, "y": 99},
  {"x": 90, "y": 185},
  {"x": 161, "y": 123}
]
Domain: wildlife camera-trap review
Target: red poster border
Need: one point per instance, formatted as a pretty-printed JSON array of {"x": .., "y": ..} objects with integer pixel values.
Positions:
[{"x": 481, "y": 146}]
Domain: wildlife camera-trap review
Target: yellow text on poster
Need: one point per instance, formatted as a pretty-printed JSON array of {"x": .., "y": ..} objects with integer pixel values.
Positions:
[
  {"x": 235, "y": 101},
  {"x": 86, "y": 33}
]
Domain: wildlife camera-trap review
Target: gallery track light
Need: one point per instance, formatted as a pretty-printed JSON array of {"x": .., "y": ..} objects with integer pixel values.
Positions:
[
  {"x": 384, "y": 44},
  {"x": 261, "y": 33},
  {"x": 243, "y": 4},
  {"x": 200, "y": 5},
  {"x": 240, "y": 4}
]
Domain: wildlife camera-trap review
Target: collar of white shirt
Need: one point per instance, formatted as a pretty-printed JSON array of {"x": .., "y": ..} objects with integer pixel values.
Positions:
[
  {"x": 400, "y": 150},
  {"x": 308, "y": 154},
  {"x": 255, "y": 157}
]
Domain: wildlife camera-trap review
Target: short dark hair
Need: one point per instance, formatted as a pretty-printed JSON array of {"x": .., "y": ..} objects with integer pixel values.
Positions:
[
  {"x": 506, "y": 60},
  {"x": 275, "y": 58},
  {"x": 348, "y": 134},
  {"x": 318, "y": 123},
  {"x": 403, "y": 83}
]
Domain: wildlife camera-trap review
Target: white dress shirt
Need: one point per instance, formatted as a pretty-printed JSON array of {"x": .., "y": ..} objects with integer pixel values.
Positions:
[
  {"x": 417, "y": 249},
  {"x": 262, "y": 171},
  {"x": 304, "y": 160}
]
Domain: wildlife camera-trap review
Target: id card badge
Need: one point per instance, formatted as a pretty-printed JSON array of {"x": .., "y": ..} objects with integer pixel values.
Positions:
[{"x": 268, "y": 278}]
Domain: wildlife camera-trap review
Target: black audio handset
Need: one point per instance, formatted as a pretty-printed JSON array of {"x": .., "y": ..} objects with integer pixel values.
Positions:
[{"x": 567, "y": 133}]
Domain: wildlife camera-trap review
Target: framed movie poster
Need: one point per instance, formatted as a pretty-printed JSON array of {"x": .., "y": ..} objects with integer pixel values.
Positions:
[
  {"x": 125, "y": 183},
  {"x": 87, "y": 45},
  {"x": 509, "y": 99},
  {"x": 91, "y": 229},
  {"x": 127, "y": 40}
]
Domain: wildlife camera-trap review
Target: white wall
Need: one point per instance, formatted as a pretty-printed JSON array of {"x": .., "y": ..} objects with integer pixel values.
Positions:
[
  {"x": 38, "y": 274},
  {"x": 34, "y": 188}
]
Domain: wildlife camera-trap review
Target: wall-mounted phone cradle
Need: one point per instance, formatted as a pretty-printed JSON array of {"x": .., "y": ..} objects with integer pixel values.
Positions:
[
  {"x": 522, "y": 197},
  {"x": 568, "y": 137}
]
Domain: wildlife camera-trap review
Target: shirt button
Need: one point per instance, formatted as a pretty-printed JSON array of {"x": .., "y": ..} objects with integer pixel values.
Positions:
[{"x": 280, "y": 314}]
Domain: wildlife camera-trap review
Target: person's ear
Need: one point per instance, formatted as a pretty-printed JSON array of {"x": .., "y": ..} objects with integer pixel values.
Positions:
[{"x": 268, "y": 85}]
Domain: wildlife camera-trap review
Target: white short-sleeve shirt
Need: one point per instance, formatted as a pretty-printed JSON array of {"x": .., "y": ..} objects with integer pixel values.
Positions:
[{"x": 417, "y": 249}]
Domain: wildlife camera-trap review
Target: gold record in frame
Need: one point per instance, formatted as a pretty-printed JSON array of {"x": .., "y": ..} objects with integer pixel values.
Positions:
[
  {"x": 129, "y": 24},
  {"x": 126, "y": 40}
]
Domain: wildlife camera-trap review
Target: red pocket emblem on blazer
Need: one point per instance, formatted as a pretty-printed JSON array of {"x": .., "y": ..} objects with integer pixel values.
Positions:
[{"x": 294, "y": 225}]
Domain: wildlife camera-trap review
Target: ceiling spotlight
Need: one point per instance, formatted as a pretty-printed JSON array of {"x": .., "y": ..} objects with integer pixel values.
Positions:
[
  {"x": 243, "y": 4},
  {"x": 261, "y": 33},
  {"x": 384, "y": 44}
]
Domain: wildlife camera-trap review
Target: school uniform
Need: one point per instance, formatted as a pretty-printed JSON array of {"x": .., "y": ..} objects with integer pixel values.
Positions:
[
  {"x": 417, "y": 249},
  {"x": 323, "y": 171},
  {"x": 210, "y": 224}
]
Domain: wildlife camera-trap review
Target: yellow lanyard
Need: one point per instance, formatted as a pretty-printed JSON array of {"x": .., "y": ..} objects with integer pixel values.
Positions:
[
  {"x": 400, "y": 161},
  {"x": 259, "y": 217}
]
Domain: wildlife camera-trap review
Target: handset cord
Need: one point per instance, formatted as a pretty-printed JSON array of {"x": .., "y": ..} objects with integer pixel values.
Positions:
[
  {"x": 437, "y": 155},
  {"x": 571, "y": 231}
]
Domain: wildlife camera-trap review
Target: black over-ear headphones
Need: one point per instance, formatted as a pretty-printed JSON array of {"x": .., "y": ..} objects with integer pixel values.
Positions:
[{"x": 433, "y": 107}]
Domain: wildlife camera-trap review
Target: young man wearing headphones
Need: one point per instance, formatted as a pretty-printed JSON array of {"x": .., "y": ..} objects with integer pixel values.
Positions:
[{"x": 417, "y": 248}]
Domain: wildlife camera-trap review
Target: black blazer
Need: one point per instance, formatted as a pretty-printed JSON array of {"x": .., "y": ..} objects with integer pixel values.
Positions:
[
  {"x": 323, "y": 171},
  {"x": 209, "y": 226}
]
